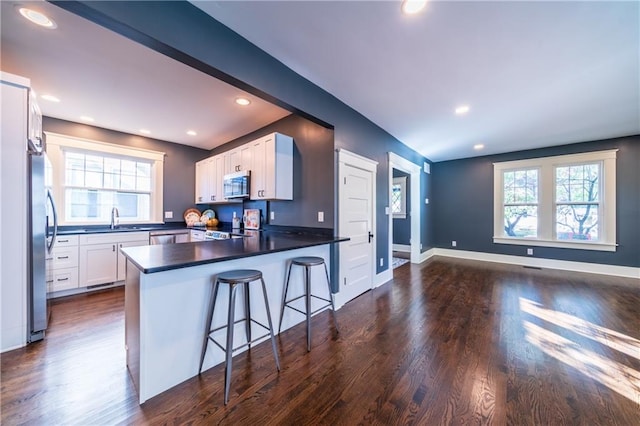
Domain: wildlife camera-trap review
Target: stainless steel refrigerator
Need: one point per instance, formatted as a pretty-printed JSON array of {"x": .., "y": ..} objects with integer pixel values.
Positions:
[{"x": 43, "y": 229}]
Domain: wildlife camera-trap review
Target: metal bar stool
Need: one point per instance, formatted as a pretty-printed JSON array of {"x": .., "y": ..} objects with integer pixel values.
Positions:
[
  {"x": 307, "y": 262},
  {"x": 234, "y": 279}
]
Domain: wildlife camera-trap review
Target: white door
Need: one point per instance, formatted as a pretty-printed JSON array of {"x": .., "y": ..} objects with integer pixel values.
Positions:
[{"x": 356, "y": 221}]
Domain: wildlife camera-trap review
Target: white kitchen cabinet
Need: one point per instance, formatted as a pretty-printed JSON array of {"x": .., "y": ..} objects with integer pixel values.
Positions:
[
  {"x": 100, "y": 257},
  {"x": 122, "y": 261},
  {"x": 208, "y": 183},
  {"x": 238, "y": 159},
  {"x": 197, "y": 235},
  {"x": 98, "y": 264},
  {"x": 62, "y": 264},
  {"x": 272, "y": 168}
]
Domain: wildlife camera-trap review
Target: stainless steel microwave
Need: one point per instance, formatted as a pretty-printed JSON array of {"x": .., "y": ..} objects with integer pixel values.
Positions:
[{"x": 236, "y": 185}]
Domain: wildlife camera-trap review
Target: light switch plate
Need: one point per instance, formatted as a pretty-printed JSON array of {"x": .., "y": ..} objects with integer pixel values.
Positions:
[
  {"x": 320, "y": 216},
  {"x": 168, "y": 215},
  {"x": 273, "y": 215}
]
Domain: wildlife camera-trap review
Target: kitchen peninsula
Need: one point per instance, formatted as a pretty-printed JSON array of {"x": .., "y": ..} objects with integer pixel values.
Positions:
[{"x": 167, "y": 291}]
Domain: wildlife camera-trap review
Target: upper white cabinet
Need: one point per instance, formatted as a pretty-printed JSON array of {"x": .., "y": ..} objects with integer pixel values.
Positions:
[
  {"x": 202, "y": 181},
  {"x": 238, "y": 159},
  {"x": 270, "y": 160},
  {"x": 209, "y": 174},
  {"x": 272, "y": 169}
]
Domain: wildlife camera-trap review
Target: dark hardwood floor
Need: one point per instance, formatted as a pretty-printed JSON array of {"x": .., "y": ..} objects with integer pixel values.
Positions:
[{"x": 447, "y": 342}]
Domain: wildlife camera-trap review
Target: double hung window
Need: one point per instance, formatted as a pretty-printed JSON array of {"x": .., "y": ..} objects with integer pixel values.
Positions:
[
  {"x": 563, "y": 201},
  {"x": 91, "y": 178}
]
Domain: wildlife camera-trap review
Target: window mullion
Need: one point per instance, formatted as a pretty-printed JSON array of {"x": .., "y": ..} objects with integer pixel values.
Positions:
[{"x": 546, "y": 208}]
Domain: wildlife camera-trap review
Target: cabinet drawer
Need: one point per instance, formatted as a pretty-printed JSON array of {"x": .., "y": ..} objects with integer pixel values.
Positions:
[
  {"x": 64, "y": 257},
  {"x": 62, "y": 279},
  {"x": 66, "y": 241}
]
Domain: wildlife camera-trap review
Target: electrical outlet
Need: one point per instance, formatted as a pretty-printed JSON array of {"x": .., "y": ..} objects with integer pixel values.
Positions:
[
  {"x": 168, "y": 215},
  {"x": 381, "y": 261},
  {"x": 320, "y": 216},
  {"x": 530, "y": 251},
  {"x": 420, "y": 246},
  {"x": 273, "y": 215},
  {"x": 426, "y": 201},
  {"x": 427, "y": 168},
  {"x": 386, "y": 210},
  {"x": 454, "y": 244}
]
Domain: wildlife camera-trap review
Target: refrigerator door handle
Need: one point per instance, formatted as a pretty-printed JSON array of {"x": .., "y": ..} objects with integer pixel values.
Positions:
[{"x": 55, "y": 223}]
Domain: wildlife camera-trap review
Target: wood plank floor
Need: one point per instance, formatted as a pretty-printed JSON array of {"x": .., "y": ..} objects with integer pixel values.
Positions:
[{"x": 447, "y": 342}]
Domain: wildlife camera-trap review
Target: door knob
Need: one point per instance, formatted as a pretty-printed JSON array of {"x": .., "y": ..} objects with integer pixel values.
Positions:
[{"x": 370, "y": 236}]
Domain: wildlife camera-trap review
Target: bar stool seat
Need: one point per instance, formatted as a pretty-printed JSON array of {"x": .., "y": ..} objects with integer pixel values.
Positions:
[
  {"x": 307, "y": 262},
  {"x": 235, "y": 279}
]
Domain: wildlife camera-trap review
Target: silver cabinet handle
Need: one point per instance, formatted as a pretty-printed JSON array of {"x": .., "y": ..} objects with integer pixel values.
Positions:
[
  {"x": 113, "y": 247},
  {"x": 63, "y": 279},
  {"x": 63, "y": 257}
]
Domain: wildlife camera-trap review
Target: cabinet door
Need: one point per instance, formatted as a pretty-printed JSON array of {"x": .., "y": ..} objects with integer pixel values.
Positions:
[
  {"x": 257, "y": 171},
  {"x": 122, "y": 261},
  {"x": 269, "y": 169},
  {"x": 218, "y": 180},
  {"x": 202, "y": 182},
  {"x": 211, "y": 194},
  {"x": 98, "y": 264}
]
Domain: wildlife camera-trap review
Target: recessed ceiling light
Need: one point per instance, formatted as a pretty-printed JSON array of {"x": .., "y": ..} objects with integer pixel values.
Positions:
[
  {"x": 243, "y": 101},
  {"x": 478, "y": 146},
  {"x": 87, "y": 118},
  {"x": 411, "y": 7},
  {"x": 37, "y": 18},
  {"x": 50, "y": 98},
  {"x": 192, "y": 133},
  {"x": 462, "y": 109},
  {"x": 145, "y": 131}
]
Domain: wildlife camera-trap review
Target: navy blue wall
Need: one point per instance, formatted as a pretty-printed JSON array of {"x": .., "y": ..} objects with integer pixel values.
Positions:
[
  {"x": 185, "y": 33},
  {"x": 463, "y": 203},
  {"x": 402, "y": 227}
]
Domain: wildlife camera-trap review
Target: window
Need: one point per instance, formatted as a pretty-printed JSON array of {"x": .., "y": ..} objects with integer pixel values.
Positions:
[
  {"x": 564, "y": 201},
  {"x": 399, "y": 198},
  {"x": 90, "y": 178}
]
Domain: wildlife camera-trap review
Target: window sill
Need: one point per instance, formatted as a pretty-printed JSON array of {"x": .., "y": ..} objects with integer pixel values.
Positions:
[{"x": 557, "y": 244}]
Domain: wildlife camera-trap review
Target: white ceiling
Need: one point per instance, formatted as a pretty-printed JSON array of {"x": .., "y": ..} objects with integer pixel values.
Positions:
[
  {"x": 123, "y": 85},
  {"x": 533, "y": 73}
]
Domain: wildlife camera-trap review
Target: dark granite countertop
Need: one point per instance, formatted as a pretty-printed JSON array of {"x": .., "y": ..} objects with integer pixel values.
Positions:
[
  {"x": 158, "y": 258},
  {"x": 102, "y": 229}
]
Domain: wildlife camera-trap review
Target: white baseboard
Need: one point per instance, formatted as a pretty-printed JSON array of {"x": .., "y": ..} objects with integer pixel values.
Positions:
[
  {"x": 427, "y": 254},
  {"x": 383, "y": 277},
  {"x": 402, "y": 248},
  {"x": 593, "y": 268}
]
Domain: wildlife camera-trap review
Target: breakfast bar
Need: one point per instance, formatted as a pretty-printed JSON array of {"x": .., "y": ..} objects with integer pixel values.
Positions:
[{"x": 168, "y": 287}]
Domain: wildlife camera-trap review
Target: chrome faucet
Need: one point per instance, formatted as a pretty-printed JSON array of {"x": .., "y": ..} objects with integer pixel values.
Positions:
[{"x": 115, "y": 215}]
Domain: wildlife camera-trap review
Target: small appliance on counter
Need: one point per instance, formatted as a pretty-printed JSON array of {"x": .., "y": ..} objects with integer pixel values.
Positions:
[
  {"x": 235, "y": 222},
  {"x": 251, "y": 218}
]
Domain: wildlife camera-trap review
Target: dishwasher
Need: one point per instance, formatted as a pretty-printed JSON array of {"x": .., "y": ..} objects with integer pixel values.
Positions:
[{"x": 169, "y": 236}]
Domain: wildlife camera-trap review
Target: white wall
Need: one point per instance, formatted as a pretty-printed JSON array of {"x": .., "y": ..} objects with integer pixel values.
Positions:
[{"x": 13, "y": 214}]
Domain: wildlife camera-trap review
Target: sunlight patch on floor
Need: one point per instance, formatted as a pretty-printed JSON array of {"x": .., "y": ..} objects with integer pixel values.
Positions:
[
  {"x": 617, "y": 377},
  {"x": 613, "y": 339}
]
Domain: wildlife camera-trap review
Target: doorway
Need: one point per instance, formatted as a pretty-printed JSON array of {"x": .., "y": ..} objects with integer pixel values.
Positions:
[{"x": 407, "y": 217}]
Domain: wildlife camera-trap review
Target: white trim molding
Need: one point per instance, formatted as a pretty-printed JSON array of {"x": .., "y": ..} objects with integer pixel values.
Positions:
[
  {"x": 403, "y": 248},
  {"x": 592, "y": 268},
  {"x": 383, "y": 277},
  {"x": 400, "y": 163}
]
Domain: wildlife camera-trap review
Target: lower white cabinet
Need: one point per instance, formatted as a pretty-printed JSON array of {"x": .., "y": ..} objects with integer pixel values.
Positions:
[
  {"x": 62, "y": 264},
  {"x": 100, "y": 259},
  {"x": 122, "y": 261},
  {"x": 197, "y": 235}
]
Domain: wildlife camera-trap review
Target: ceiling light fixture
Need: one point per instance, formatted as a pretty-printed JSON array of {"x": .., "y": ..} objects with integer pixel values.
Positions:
[
  {"x": 87, "y": 118},
  {"x": 192, "y": 133},
  {"x": 243, "y": 101},
  {"x": 145, "y": 131},
  {"x": 462, "y": 109},
  {"x": 478, "y": 146},
  {"x": 50, "y": 98},
  {"x": 411, "y": 7},
  {"x": 37, "y": 18}
]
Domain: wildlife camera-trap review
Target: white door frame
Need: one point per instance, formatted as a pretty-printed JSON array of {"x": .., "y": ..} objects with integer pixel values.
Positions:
[
  {"x": 402, "y": 164},
  {"x": 364, "y": 163}
]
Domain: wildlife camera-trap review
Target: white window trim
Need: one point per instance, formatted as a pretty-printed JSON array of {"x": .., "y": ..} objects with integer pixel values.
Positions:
[
  {"x": 55, "y": 147},
  {"x": 402, "y": 181},
  {"x": 546, "y": 200}
]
